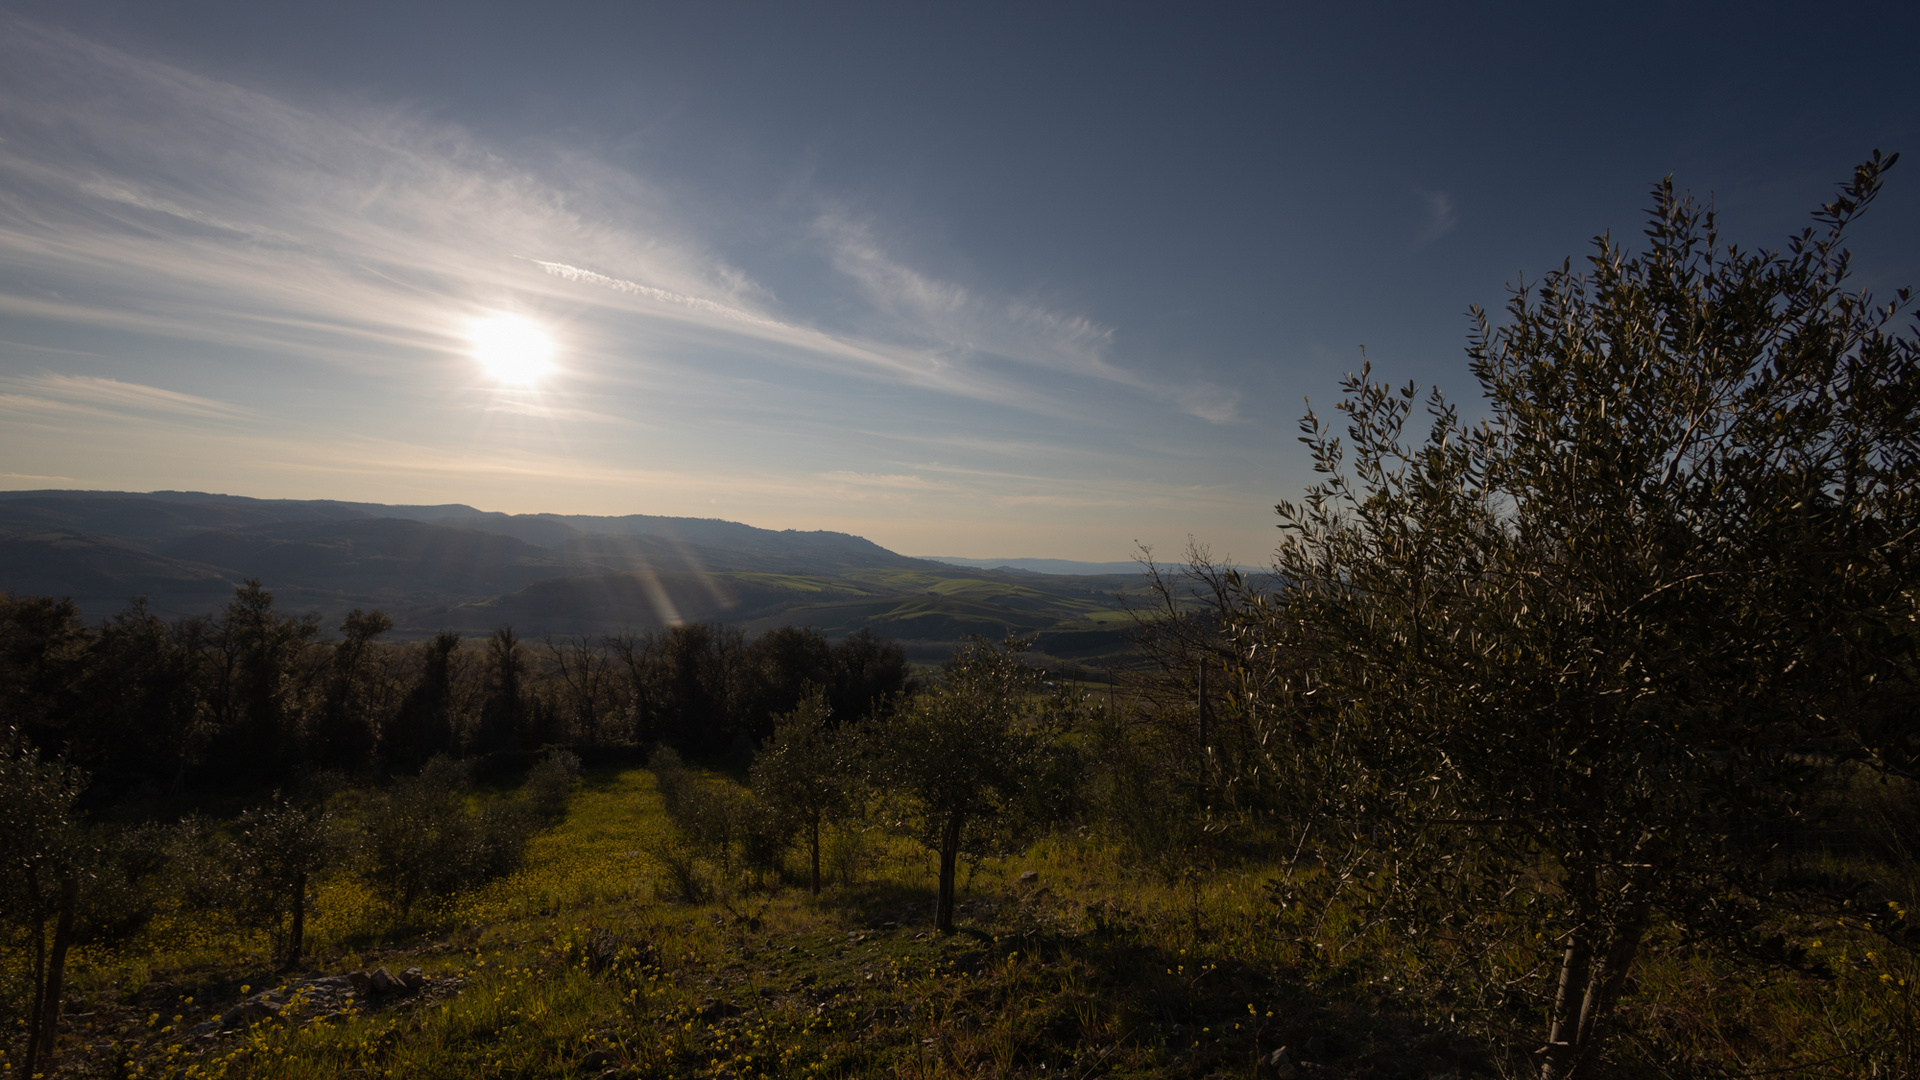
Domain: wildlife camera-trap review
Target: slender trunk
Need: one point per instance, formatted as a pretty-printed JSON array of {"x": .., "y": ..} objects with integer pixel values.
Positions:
[
  {"x": 1562, "y": 1046},
  {"x": 49, "y": 1023},
  {"x": 813, "y": 843},
  {"x": 1560, "y": 1054},
  {"x": 1604, "y": 988},
  {"x": 949, "y": 854},
  {"x": 39, "y": 968},
  {"x": 296, "y": 938},
  {"x": 1592, "y": 981}
]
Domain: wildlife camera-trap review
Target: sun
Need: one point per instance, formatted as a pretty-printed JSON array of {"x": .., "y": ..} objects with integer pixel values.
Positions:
[{"x": 514, "y": 350}]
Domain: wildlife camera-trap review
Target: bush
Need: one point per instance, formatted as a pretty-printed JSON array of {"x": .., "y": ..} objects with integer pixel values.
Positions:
[
  {"x": 277, "y": 851},
  {"x": 762, "y": 833},
  {"x": 670, "y": 776},
  {"x": 1157, "y": 815},
  {"x": 717, "y": 822},
  {"x": 681, "y": 865},
  {"x": 844, "y": 854},
  {"x": 422, "y": 841},
  {"x": 708, "y": 817},
  {"x": 550, "y": 784},
  {"x": 128, "y": 872}
]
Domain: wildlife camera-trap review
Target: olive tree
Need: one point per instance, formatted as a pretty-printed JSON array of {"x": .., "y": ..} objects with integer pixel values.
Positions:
[
  {"x": 806, "y": 772},
  {"x": 977, "y": 758},
  {"x": 40, "y": 858},
  {"x": 276, "y": 852},
  {"x": 1539, "y": 681}
]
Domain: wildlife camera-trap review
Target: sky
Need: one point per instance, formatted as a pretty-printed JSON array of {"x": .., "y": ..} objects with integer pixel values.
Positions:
[{"x": 1043, "y": 280}]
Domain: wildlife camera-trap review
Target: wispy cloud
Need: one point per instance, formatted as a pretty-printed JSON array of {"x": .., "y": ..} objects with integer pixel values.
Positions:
[
  {"x": 634, "y": 288},
  {"x": 145, "y": 198},
  {"x": 163, "y": 232},
  {"x": 968, "y": 332},
  {"x": 1440, "y": 218},
  {"x": 952, "y": 322},
  {"x": 806, "y": 339},
  {"x": 544, "y": 407},
  {"x": 52, "y": 392},
  {"x": 1216, "y": 404},
  {"x": 150, "y": 200},
  {"x": 116, "y": 394},
  {"x": 881, "y": 481}
]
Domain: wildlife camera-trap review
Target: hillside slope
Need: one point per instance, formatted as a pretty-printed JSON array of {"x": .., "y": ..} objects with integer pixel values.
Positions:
[{"x": 455, "y": 567}]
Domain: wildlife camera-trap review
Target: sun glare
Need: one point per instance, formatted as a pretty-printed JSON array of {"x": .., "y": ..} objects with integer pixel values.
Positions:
[{"x": 513, "y": 349}]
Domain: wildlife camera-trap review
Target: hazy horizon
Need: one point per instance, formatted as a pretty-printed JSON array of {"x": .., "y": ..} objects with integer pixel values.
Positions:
[{"x": 1054, "y": 281}]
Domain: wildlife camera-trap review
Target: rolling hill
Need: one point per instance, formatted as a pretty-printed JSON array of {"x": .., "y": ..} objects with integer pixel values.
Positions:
[{"x": 455, "y": 567}]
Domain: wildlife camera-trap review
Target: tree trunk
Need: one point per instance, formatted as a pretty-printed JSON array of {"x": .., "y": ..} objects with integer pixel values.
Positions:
[
  {"x": 1563, "y": 1047},
  {"x": 1604, "y": 988},
  {"x": 47, "y": 1029},
  {"x": 296, "y": 937},
  {"x": 1558, "y": 1057},
  {"x": 39, "y": 970},
  {"x": 813, "y": 842},
  {"x": 949, "y": 854},
  {"x": 1590, "y": 986}
]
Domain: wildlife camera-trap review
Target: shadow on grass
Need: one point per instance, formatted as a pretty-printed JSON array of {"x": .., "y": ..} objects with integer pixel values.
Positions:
[
  {"x": 603, "y": 777},
  {"x": 1222, "y": 1012},
  {"x": 877, "y": 903}
]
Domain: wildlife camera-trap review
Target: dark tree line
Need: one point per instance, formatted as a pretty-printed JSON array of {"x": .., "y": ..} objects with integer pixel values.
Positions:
[{"x": 248, "y": 696}]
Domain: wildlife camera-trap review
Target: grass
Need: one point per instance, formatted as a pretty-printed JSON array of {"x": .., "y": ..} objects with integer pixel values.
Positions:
[
  {"x": 794, "y": 582},
  {"x": 581, "y": 964}
]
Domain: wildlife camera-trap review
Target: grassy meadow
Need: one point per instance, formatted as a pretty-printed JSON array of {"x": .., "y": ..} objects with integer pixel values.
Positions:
[{"x": 1070, "y": 961}]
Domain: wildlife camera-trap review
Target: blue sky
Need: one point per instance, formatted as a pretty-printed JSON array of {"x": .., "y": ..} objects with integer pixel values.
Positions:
[{"x": 1013, "y": 280}]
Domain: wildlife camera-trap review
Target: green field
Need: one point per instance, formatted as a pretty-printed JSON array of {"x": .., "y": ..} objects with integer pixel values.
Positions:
[
  {"x": 939, "y": 608},
  {"x": 584, "y": 963}
]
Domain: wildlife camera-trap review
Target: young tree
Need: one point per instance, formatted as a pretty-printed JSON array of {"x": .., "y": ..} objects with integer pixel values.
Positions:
[
  {"x": 979, "y": 750},
  {"x": 549, "y": 784},
  {"x": 40, "y": 859},
  {"x": 805, "y": 772},
  {"x": 423, "y": 842},
  {"x": 1580, "y": 654},
  {"x": 277, "y": 851}
]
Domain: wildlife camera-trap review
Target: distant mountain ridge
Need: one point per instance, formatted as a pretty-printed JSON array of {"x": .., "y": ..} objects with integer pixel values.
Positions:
[
  {"x": 1070, "y": 567},
  {"x": 453, "y": 566},
  {"x": 108, "y": 513}
]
